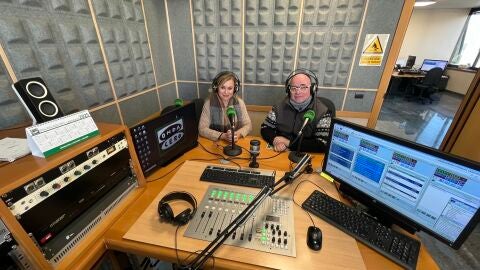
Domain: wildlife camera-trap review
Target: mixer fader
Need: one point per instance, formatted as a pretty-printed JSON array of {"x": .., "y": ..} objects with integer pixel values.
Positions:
[{"x": 269, "y": 229}]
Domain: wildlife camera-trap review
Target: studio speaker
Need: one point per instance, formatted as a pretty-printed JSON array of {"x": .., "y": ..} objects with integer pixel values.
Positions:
[{"x": 38, "y": 101}]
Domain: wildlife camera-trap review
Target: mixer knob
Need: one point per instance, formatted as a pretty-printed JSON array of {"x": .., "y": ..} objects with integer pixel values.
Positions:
[
  {"x": 279, "y": 241},
  {"x": 285, "y": 233},
  {"x": 210, "y": 232},
  {"x": 218, "y": 232},
  {"x": 285, "y": 241},
  {"x": 94, "y": 161},
  {"x": 250, "y": 238},
  {"x": 279, "y": 233},
  {"x": 241, "y": 236},
  {"x": 203, "y": 214},
  {"x": 44, "y": 193},
  {"x": 271, "y": 227},
  {"x": 273, "y": 239},
  {"x": 86, "y": 167},
  {"x": 233, "y": 235},
  {"x": 55, "y": 186},
  {"x": 77, "y": 172},
  {"x": 266, "y": 225},
  {"x": 66, "y": 179},
  {"x": 278, "y": 227}
]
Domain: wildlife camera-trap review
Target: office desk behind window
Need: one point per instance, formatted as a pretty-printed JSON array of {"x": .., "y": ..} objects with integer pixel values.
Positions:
[{"x": 339, "y": 250}]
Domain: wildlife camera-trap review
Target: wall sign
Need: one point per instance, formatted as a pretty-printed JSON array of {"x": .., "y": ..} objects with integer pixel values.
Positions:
[{"x": 373, "y": 49}]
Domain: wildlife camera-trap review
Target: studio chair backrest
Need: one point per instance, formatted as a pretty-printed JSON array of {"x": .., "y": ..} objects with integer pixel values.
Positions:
[
  {"x": 330, "y": 105},
  {"x": 433, "y": 77}
]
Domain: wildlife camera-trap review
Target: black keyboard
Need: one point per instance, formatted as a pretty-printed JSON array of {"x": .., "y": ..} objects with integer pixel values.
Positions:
[
  {"x": 238, "y": 177},
  {"x": 398, "y": 247}
]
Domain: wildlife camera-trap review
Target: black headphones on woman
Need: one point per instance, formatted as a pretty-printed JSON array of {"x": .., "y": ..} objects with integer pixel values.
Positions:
[
  {"x": 309, "y": 73},
  {"x": 215, "y": 81},
  {"x": 166, "y": 213}
]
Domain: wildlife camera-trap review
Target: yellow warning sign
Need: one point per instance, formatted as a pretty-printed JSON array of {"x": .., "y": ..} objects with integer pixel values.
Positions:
[
  {"x": 374, "y": 46},
  {"x": 373, "y": 49}
]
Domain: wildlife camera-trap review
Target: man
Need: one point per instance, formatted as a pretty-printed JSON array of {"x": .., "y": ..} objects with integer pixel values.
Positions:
[{"x": 286, "y": 118}]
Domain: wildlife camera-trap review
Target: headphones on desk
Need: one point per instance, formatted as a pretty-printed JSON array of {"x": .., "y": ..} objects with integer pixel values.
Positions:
[
  {"x": 216, "y": 81},
  {"x": 309, "y": 73},
  {"x": 166, "y": 213}
]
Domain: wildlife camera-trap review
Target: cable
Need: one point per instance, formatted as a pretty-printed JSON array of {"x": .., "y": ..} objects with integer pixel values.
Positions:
[
  {"x": 295, "y": 190},
  {"x": 176, "y": 167},
  {"x": 176, "y": 249}
]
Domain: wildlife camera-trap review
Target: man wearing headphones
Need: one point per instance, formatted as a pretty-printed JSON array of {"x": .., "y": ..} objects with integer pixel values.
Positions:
[
  {"x": 286, "y": 118},
  {"x": 214, "y": 123}
]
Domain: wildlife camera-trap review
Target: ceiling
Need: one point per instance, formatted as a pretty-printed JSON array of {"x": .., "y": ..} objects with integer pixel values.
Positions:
[{"x": 452, "y": 4}]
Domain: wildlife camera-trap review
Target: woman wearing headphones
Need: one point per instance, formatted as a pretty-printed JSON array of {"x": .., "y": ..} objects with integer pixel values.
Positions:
[
  {"x": 214, "y": 123},
  {"x": 284, "y": 121}
]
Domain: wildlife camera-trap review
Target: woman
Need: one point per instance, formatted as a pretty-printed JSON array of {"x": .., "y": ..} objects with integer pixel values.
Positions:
[{"x": 214, "y": 123}]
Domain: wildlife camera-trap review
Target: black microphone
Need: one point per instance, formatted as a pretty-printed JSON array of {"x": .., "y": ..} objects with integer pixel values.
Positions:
[
  {"x": 297, "y": 155},
  {"x": 232, "y": 150},
  {"x": 254, "y": 152}
]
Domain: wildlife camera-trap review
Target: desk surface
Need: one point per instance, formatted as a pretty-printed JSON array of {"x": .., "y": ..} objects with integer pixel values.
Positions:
[{"x": 139, "y": 231}]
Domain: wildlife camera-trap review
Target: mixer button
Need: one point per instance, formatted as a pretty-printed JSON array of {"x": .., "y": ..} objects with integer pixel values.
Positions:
[
  {"x": 241, "y": 236},
  {"x": 250, "y": 238},
  {"x": 234, "y": 235}
]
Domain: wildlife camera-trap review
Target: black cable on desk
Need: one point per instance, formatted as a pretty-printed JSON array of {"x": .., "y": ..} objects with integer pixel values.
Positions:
[{"x": 295, "y": 190}]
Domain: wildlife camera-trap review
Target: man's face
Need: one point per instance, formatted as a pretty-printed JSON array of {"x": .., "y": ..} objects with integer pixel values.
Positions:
[{"x": 300, "y": 88}]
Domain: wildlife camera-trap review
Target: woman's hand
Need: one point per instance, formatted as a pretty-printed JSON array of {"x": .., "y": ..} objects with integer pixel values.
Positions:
[
  {"x": 227, "y": 136},
  {"x": 280, "y": 143}
]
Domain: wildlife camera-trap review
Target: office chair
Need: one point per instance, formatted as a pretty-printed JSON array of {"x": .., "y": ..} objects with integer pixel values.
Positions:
[
  {"x": 428, "y": 85},
  {"x": 330, "y": 105}
]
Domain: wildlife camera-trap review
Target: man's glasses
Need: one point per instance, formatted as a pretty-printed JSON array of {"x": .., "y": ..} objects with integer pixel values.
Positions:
[{"x": 299, "y": 88}]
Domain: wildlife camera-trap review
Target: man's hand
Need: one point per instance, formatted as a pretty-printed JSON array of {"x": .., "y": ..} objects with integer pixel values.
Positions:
[{"x": 280, "y": 143}]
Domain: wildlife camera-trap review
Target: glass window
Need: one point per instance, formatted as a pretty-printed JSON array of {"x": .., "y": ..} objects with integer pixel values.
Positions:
[{"x": 467, "y": 50}]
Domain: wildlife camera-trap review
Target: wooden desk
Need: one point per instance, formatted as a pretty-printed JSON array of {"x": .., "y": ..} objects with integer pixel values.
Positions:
[{"x": 339, "y": 251}]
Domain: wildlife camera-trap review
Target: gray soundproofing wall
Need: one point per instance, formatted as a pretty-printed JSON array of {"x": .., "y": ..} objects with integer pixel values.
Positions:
[{"x": 188, "y": 42}]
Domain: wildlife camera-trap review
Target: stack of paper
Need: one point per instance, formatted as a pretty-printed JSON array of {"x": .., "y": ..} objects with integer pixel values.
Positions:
[{"x": 13, "y": 148}]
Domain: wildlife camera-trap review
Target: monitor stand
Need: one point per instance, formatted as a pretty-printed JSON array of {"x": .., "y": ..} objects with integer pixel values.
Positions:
[{"x": 360, "y": 202}]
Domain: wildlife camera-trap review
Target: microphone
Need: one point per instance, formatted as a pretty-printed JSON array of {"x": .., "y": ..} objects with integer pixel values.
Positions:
[
  {"x": 231, "y": 115},
  {"x": 178, "y": 102},
  {"x": 232, "y": 150},
  {"x": 308, "y": 116},
  {"x": 296, "y": 156},
  {"x": 254, "y": 152}
]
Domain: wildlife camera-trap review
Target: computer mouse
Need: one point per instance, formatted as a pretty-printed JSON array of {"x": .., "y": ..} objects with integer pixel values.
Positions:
[{"x": 314, "y": 238}]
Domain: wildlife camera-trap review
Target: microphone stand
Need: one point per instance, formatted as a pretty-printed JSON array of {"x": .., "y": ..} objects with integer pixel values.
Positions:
[
  {"x": 232, "y": 150},
  {"x": 266, "y": 191}
]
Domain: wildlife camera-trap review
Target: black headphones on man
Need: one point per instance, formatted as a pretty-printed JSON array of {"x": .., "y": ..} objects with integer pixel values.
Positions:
[
  {"x": 215, "y": 81},
  {"x": 166, "y": 213},
  {"x": 309, "y": 73}
]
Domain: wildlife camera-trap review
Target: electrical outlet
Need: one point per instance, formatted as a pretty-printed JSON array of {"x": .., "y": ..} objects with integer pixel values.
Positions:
[{"x": 358, "y": 95}]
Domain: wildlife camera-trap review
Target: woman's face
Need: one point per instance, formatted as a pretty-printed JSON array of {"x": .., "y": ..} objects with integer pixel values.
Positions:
[{"x": 225, "y": 91}]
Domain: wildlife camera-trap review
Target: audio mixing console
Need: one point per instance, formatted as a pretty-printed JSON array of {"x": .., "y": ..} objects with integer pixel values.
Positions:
[{"x": 269, "y": 229}]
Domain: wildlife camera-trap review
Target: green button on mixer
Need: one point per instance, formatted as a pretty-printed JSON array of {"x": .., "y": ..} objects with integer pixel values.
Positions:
[
  {"x": 213, "y": 193},
  {"x": 219, "y": 194}
]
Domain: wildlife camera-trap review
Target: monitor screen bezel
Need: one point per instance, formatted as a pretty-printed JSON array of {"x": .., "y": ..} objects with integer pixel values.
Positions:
[
  {"x": 166, "y": 115},
  {"x": 393, "y": 214},
  {"x": 436, "y": 60}
]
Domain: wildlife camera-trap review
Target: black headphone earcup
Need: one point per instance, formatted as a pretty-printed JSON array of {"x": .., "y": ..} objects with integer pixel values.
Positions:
[
  {"x": 183, "y": 217},
  {"x": 165, "y": 212}
]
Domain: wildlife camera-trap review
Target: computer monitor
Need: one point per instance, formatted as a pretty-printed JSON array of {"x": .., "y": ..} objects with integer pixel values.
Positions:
[
  {"x": 409, "y": 184},
  {"x": 429, "y": 64},
  {"x": 162, "y": 139},
  {"x": 410, "y": 61}
]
